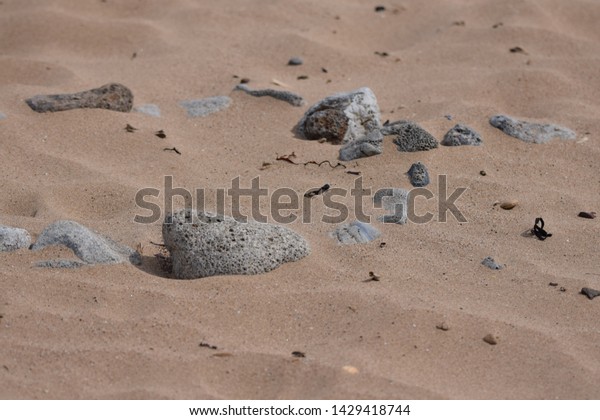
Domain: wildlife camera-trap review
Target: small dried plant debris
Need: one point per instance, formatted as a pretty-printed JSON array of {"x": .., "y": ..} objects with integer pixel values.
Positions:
[
  {"x": 353, "y": 172},
  {"x": 208, "y": 346},
  {"x": 172, "y": 149},
  {"x": 337, "y": 165},
  {"x": 287, "y": 158},
  {"x": 129, "y": 128},
  {"x": 587, "y": 214},
  {"x": 317, "y": 191},
  {"x": 519, "y": 50},
  {"x": 160, "y": 134},
  {"x": 372, "y": 277},
  {"x": 381, "y": 53},
  {"x": 298, "y": 354},
  {"x": 302, "y": 77},
  {"x": 245, "y": 80}
]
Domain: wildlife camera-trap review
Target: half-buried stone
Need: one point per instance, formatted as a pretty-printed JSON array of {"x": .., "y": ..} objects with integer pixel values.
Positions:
[
  {"x": 205, "y": 106},
  {"x": 356, "y": 232},
  {"x": 531, "y": 132},
  {"x": 418, "y": 175},
  {"x": 351, "y": 119},
  {"x": 12, "y": 238},
  {"x": 204, "y": 244},
  {"x": 410, "y": 137},
  {"x": 90, "y": 247},
  {"x": 113, "y": 96},
  {"x": 462, "y": 135}
]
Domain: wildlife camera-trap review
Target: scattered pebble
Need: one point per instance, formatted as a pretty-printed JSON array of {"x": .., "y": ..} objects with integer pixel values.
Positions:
[
  {"x": 482, "y": 173},
  {"x": 590, "y": 293},
  {"x": 490, "y": 263},
  {"x": 508, "y": 205},
  {"x": 295, "y": 61},
  {"x": 300, "y": 354},
  {"x": 491, "y": 339},
  {"x": 348, "y": 118},
  {"x": 418, "y": 174},
  {"x": 59, "y": 264},
  {"x": 517, "y": 50},
  {"x": 355, "y": 233},
  {"x": 130, "y": 128},
  {"x": 244, "y": 81},
  {"x": 410, "y": 137},
  {"x": 113, "y": 96},
  {"x": 203, "y": 244},
  {"x": 442, "y": 326},
  {"x": 462, "y": 135},
  {"x": 380, "y": 8},
  {"x": 282, "y": 95},
  {"x": 90, "y": 247},
  {"x": 148, "y": 109},
  {"x": 302, "y": 77},
  {"x": 206, "y": 106},
  {"x": 372, "y": 277},
  {"x": 395, "y": 202},
  {"x": 531, "y": 132},
  {"x": 350, "y": 369},
  {"x": 552, "y": 284},
  {"x": 12, "y": 238},
  {"x": 161, "y": 134},
  {"x": 587, "y": 214}
]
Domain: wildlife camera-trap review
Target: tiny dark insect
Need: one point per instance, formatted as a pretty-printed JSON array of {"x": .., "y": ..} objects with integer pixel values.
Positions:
[
  {"x": 298, "y": 354},
  {"x": 538, "y": 229},
  {"x": 129, "y": 128},
  {"x": 160, "y": 134}
]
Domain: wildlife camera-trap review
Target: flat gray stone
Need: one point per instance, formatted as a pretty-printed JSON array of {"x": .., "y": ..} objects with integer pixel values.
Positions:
[
  {"x": 206, "y": 106},
  {"x": 282, "y": 95},
  {"x": 531, "y": 132},
  {"x": 355, "y": 233},
  {"x": 148, "y": 109},
  {"x": 462, "y": 135},
  {"x": 90, "y": 247},
  {"x": 351, "y": 119},
  {"x": 12, "y": 238},
  {"x": 59, "y": 264},
  {"x": 490, "y": 263},
  {"x": 112, "y": 96},
  {"x": 295, "y": 61},
  {"x": 418, "y": 175},
  {"x": 204, "y": 244},
  {"x": 410, "y": 137},
  {"x": 395, "y": 202}
]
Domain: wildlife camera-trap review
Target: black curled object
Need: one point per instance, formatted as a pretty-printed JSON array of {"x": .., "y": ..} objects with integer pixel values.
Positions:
[
  {"x": 538, "y": 229},
  {"x": 317, "y": 191}
]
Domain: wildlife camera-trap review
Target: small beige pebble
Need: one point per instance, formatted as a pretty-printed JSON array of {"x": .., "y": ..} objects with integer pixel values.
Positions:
[
  {"x": 350, "y": 369},
  {"x": 442, "y": 326},
  {"x": 490, "y": 339},
  {"x": 508, "y": 205}
]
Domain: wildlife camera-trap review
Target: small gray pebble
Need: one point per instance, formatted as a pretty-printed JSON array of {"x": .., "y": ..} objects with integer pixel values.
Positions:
[
  {"x": 490, "y": 263},
  {"x": 205, "y": 106},
  {"x": 148, "y": 109},
  {"x": 12, "y": 238},
  {"x": 295, "y": 61},
  {"x": 418, "y": 175}
]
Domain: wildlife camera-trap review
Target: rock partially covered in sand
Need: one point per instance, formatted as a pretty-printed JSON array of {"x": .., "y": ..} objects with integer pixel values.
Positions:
[
  {"x": 418, "y": 175},
  {"x": 113, "y": 96},
  {"x": 531, "y": 132},
  {"x": 395, "y": 202},
  {"x": 283, "y": 95},
  {"x": 206, "y": 106},
  {"x": 356, "y": 232},
  {"x": 462, "y": 135},
  {"x": 203, "y": 244},
  {"x": 410, "y": 137},
  {"x": 148, "y": 109},
  {"x": 12, "y": 238},
  {"x": 348, "y": 118},
  {"x": 89, "y": 246},
  {"x": 295, "y": 61},
  {"x": 490, "y": 263},
  {"x": 59, "y": 264}
]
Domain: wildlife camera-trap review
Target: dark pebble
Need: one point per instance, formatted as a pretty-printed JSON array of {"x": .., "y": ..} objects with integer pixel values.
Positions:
[
  {"x": 380, "y": 8},
  {"x": 490, "y": 339},
  {"x": 245, "y": 80},
  {"x": 418, "y": 174},
  {"x": 295, "y": 61},
  {"x": 590, "y": 293},
  {"x": 587, "y": 214}
]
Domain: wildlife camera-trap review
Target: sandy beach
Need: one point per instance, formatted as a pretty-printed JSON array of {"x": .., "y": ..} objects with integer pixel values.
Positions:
[{"x": 134, "y": 332}]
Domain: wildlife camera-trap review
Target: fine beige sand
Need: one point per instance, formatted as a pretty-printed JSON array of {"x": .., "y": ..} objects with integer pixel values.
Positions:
[{"x": 132, "y": 332}]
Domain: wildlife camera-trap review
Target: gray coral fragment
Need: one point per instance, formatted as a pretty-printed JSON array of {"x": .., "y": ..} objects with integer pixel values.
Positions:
[
  {"x": 282, "y": 95},
  {"x": 531, "y": 132}
]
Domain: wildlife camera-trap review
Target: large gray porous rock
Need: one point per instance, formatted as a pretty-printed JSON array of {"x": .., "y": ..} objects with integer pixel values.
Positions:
[
  {"x": 113, "y": 96},
  {"x": 462, "y": 135},
  {"x": 12, "y": 238},
  {"x": 531, "y": 132},
  {"x": 89, "y": 246},
  {"x": 348, "y": 118},
  {"x": 410, "y": 137},
  {"x": 204, "y": 244}
]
